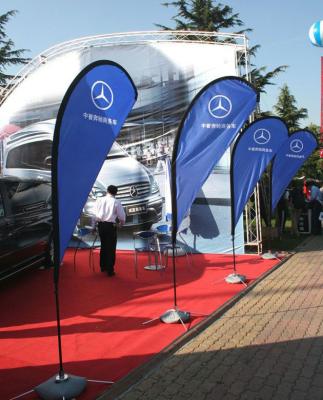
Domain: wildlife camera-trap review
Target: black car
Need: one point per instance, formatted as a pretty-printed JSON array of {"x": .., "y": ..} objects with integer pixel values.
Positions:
[{"x": 25, "y": 224}]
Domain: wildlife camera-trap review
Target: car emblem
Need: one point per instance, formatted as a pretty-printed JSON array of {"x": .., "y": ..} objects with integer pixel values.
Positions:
[
  {"x": 133, "y": 191},
  {"x": 220, "y": 106},
  {"x": 296, "y": 146},
  {"x": 261, "y": 136},
  {"x": 102, "y": 95}
]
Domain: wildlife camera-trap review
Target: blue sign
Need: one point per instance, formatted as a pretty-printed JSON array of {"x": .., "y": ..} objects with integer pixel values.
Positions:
[
  {"x": 90, "y": 117},
  {"x": 209, "y": 126},
  {"x": 288, "y": 160},
  {"x": 252, "y": 152}
]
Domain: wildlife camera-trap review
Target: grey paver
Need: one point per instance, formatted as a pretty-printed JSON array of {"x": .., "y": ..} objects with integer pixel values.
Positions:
[{"x": 268, "y": 345}]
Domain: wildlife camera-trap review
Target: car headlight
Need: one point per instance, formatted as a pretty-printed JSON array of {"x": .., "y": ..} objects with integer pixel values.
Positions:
[
  {"x": 154, "y": 185},
  {"x": 96, "y": 193}
]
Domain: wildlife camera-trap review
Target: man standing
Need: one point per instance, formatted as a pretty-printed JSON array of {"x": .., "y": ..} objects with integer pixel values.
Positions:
[
  {"x": 297, "y": 205},
  {"x": 109, "y": 213},
  {"x": 315, "y": 205}
]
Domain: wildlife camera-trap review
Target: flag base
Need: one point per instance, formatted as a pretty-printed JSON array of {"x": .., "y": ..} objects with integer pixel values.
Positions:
[
  {"x": 269, "y": 256},
  {"x": 57, "y": 388},
  {"x": 235, "y": 278},
  {"x": 154, "y": 267},
  {"x": 173, "y": 316},
  {"x": 179, "y": 251}
]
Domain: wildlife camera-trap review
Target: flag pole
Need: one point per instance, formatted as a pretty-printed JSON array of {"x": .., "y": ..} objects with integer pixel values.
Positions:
[
  {"x": 61, "y": 385},
  {"x": 234, "y": 277},
  {"x": 269, "y": 255},
  {"x": 174, "y": 314}
]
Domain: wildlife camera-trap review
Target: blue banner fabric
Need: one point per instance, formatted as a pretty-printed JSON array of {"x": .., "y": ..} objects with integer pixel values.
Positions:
[
  {"x": 90, "y": 117},
  {"x": 210, "y": 124},
  {"x": 288, "y": 160},
  {"x": 252, "y": 152}
]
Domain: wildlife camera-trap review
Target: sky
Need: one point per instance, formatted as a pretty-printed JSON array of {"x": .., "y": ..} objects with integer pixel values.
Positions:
[{"x": 280, "y": 27}]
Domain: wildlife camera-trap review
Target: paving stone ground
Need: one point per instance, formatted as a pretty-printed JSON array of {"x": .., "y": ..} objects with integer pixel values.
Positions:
[{"x": 268, "y": 345}]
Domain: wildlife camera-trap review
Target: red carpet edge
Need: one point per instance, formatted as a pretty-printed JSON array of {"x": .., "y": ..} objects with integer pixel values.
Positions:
[{"x": 125, "y": 383}]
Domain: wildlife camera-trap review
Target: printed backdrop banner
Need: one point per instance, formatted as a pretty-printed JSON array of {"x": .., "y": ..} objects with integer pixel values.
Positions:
[
  {"x": 90, "y": 117},
  {"x": 167, "y": 78},
  {"x": 252, "y": 152},
  {"x": 209, "y": 126},
  {"x": 288, "y": 160}
]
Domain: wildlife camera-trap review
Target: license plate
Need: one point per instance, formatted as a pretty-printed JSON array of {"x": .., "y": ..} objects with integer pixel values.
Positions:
[{"x": 131, "y": 210}]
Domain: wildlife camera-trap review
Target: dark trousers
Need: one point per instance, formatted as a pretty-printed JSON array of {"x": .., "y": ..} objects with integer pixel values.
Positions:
[
  {"x": 316, "y": 223},
  {"x": 108, "y": 237}
]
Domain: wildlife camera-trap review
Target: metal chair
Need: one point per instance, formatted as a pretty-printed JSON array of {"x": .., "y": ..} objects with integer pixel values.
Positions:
[
  {"x": 163, "y": 233},
  {"x": 93, "y": 247},
  {"x": 79, "y": 235},
  {"x": 147, "y": 242}
]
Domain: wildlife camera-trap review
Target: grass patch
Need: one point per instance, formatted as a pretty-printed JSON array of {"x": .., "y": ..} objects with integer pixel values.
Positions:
[
  {"x": 287, "y": 242},
  {"x": 270, "y": 240}
]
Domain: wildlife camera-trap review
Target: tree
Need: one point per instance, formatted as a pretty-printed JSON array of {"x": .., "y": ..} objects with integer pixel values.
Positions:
[
  {"x": 205, "y": 15},
  {"x": 260, "y": 78},
  {"x": 202, "y": 15},
  {"x": 286, "y": 109},
  {"x": 8, "y": 55},
  {"x": 312, "y": 167}
]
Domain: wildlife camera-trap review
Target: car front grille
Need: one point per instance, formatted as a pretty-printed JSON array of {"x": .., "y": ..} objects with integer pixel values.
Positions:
[{"x": 133, "y": 191}]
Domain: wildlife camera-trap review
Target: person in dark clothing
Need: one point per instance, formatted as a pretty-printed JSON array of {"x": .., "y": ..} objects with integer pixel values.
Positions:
[
  {"x": 109, "y": 212},
  {"x": 315, "y": 204},
  {"x": 297, "y": 205},
  {"x": 282, "y": 213}
]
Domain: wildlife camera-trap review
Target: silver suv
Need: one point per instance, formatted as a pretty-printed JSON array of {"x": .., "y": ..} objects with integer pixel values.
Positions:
[{"x": 27, "y": 154}]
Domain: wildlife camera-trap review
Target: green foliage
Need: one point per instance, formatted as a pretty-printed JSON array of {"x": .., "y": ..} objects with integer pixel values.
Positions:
[
  {"x": 260, "y": 78},
  {"x": 202, "y": 15},
  {"x": 286, "y": 109},
  {"x": 213, "y": 16},
  {"x": 8, "y": 55},
  {"x": 313, "y": 167}
]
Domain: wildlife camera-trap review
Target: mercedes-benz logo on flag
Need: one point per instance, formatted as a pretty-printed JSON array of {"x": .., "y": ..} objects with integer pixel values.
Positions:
[
  {"x": 261, "y": 136},
  {"x": 220, "y": 106},
  {"x": 133, "y": 191},
  {"x": 296, "y": 146},
  {"x": 102, "y": 95}
]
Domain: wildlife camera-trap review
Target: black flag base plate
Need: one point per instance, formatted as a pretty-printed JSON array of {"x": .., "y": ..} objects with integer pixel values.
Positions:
[
  {"x": 235, "y": 278},
  {"x": 173, "y": 315},
  {"x": 56, "y": 388}
]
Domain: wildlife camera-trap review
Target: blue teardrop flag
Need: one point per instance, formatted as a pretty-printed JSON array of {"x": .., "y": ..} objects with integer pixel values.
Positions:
[
  {"x": 252, "y": 152},
  {"x": 90, "y": 117},
  {"x": 288, "y": 160},
  {"x": 209, "y": 126}
]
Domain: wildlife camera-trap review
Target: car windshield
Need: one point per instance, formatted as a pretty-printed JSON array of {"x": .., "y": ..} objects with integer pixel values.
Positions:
[
  {"x": 116, "y": 152},
  {"x": 37, "y": 155},
  {"x": 34, "y": 155}
]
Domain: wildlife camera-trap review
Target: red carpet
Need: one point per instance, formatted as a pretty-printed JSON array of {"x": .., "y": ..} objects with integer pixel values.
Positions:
[{"x": 102, "y": 333}]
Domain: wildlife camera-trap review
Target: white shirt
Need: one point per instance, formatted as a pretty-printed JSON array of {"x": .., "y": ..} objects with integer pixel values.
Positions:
[{"x": 108, "y": 209}]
